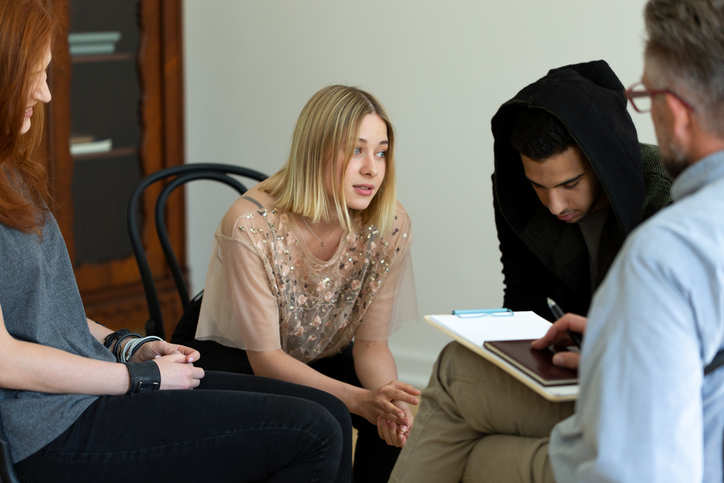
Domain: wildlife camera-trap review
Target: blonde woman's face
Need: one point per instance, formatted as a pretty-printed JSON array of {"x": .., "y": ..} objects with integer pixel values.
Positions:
[
  {"x": 39, "y": 91},
  {"x": 366, "y": 169}
]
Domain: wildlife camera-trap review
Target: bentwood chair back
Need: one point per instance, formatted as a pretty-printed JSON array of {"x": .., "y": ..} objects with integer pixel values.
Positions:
[{"x": 173, "y": 177}]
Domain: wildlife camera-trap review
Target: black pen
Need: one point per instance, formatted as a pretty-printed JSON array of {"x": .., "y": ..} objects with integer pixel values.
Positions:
[{"x": 558, "y": 313}]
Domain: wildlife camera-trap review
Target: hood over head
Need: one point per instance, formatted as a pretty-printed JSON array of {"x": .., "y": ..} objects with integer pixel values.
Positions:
[{"x": 589, "y": 100}]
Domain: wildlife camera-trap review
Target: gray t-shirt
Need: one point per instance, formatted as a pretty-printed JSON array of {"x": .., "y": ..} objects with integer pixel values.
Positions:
[{"x": 40, "y": 303}]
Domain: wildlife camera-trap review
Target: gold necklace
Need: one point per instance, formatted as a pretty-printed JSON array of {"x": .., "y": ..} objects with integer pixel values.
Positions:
[{"x": 321, "y": 242}]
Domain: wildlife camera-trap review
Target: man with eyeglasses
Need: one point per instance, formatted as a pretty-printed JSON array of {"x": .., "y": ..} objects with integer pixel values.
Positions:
[
  {"x": 651, "y": 403},
  {"x": 651, "y": 406},
  {"x": 571, "y": 182}
]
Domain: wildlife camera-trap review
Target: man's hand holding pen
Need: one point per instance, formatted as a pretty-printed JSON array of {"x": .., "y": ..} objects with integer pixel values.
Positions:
[{"x": 558, "y": 335}]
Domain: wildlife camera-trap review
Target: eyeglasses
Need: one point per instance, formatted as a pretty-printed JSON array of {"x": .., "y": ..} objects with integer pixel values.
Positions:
[{"x": 641, "y": 98}]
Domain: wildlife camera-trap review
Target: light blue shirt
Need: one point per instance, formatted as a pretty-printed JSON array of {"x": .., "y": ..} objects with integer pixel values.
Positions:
[{"x": 645, "y": 412}]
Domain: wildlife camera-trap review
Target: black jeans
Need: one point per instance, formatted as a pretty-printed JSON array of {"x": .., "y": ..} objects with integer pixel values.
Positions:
[
  {"x": 231, "y": 428},
  {"x": 373, "y": 458}
]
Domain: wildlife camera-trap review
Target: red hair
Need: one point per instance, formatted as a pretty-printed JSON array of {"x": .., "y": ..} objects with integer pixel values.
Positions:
[{"x": 26, "y": 32}]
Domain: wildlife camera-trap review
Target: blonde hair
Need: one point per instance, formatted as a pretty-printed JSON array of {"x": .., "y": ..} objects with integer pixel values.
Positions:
[{"x": 329, "y": 122}]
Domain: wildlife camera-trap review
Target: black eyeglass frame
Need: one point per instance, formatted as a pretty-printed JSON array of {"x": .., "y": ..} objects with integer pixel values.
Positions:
[{"x": 632, "y": 94}]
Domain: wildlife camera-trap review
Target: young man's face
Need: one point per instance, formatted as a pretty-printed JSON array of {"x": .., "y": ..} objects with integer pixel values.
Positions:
[{"x": 566, "y": 184}]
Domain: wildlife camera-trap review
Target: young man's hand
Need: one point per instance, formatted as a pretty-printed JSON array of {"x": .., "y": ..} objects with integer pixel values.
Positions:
[{"x": 557, "y": 335}]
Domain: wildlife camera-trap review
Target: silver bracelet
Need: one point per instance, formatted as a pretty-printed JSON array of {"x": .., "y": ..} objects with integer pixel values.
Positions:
[{"x": 132, "y": 346}]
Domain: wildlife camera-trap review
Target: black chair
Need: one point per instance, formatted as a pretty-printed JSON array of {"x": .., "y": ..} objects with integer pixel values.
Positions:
[{"x": 174, "y": 177}]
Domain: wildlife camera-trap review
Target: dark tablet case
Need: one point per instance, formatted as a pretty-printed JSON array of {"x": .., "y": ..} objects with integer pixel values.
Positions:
[{"x": 538, "y": 364}]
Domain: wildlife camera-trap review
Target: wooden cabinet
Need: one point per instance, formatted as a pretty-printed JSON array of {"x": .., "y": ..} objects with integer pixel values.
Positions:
[{"x": 116, "y": 116}]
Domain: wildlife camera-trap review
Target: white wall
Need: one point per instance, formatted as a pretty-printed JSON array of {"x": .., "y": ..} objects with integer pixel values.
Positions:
[{"x": 441, "y": 68}]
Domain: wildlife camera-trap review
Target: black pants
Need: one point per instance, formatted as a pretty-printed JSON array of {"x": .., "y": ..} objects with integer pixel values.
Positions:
[
  {"x": 373, "y": 458},
  {"x": 231, "y": 428}
]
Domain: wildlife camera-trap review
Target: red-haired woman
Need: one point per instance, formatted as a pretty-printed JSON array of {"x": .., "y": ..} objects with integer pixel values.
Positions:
[{"x": 80, "y": 402}]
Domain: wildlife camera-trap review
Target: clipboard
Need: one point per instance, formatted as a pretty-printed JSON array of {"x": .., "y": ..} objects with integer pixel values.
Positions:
[{"x": 473, "y": 332}]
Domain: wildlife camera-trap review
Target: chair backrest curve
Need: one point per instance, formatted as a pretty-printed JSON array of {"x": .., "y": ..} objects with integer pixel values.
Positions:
[{"x": 176, "y": 176}]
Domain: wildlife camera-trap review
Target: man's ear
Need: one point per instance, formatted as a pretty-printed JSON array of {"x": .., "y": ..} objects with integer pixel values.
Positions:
[{"x": 681, "y": 118}]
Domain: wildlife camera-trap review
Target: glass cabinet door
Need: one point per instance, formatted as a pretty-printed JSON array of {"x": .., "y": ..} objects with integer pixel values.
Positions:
[
  {"x": 116, "y": 116},
  {"x": 105, "y": 136}
]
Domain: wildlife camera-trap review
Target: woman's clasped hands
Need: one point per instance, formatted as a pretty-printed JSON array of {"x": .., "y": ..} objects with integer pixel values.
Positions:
[
  {"x": 388, "y": 408},
  {"x": 175, "y": 362}
]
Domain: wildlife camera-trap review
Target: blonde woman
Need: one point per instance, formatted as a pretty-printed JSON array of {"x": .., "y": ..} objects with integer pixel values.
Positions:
[{"x": 313, "y": 258}]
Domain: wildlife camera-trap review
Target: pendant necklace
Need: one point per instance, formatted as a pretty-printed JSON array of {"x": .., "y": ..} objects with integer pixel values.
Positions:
[{"x": 321, "y": 242}]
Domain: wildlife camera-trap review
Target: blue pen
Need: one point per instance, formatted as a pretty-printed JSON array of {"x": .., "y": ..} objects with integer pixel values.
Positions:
[{"x": 558, "y": 313}]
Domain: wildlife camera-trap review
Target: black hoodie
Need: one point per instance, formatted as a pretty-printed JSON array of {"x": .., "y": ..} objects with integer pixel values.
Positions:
[{"x": 543, "y": 256}]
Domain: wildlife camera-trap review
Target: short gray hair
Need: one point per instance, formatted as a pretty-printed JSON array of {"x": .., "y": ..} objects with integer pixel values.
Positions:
[{"x": 685, "y": 50}]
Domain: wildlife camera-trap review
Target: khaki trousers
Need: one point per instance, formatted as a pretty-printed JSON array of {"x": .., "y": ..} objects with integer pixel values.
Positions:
[{"x": 476, "y": 423}]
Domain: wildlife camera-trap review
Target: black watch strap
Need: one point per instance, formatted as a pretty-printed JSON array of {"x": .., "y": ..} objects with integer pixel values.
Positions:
[{"x": 145, "y": 376}]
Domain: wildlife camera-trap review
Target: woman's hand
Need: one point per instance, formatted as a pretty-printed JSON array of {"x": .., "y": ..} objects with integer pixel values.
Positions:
[
  {"x": 558, "y": 335},
  {"x": 175, "y": 362},
  {"x": 394, "y": 434},
  {"x": 380, "y": 403},
  {"x": 156, "y": 348},
  {"x": 176, "y": 373}
]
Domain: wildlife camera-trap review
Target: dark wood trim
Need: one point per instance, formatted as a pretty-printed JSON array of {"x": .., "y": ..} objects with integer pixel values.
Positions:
[
  {"x": 60, "y": 163},
  {"x": 173, "y": 111}
]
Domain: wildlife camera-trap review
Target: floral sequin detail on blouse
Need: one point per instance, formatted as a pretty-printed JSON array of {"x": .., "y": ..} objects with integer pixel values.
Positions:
[{"x": 321, "y": 305}]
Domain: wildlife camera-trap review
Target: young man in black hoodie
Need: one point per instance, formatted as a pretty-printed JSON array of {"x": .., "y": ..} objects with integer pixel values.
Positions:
[{"x": 571, "y": 182}]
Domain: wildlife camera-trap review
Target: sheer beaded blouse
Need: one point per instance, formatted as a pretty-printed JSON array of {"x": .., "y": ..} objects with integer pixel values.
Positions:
[{"x": 265, "y": 290}]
